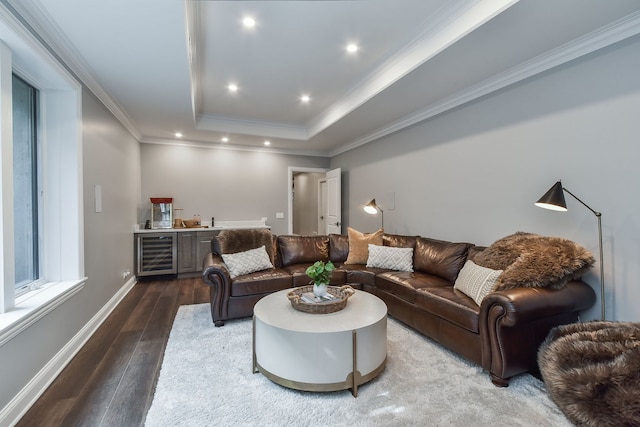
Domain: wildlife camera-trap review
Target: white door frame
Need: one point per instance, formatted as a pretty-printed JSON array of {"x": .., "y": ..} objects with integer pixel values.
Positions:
[
  {"x": 290, "y": 172},
  {"x": 322, "y": 200}
]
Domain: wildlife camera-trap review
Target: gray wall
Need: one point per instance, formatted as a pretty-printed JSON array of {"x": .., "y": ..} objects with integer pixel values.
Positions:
[
  {"x": 226, "y": 184},
  {"x": 473, "y": 174},
  {"x": 111, "y": 158}
]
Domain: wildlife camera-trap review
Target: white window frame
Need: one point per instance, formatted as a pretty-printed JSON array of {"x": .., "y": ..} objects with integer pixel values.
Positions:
[{"x": 60, "y": 124}]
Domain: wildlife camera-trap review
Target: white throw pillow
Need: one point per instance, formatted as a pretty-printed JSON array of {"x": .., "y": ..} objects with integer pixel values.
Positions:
[
  {"x": 247, "y": 262},
  {"x": 391, "y": 258},
  {"x": 476, "y": 281}
]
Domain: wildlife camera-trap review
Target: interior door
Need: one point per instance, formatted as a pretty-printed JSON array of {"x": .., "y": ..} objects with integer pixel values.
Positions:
[{"x": 334, "y": 198}]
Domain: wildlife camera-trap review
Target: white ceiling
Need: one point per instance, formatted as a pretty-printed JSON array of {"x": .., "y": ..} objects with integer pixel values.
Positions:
[{"x": 162, "y": 66}]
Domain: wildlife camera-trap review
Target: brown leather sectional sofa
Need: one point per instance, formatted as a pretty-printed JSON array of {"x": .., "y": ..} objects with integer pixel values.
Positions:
[{"x": 502, "y": 335}]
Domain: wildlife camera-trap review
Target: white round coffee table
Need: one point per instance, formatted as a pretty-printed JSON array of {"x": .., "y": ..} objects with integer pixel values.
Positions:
[{"x": 320, "y": 352}]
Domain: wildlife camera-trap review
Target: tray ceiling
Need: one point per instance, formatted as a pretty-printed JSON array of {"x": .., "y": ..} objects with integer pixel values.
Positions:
[{"x": 164, "y": 66}]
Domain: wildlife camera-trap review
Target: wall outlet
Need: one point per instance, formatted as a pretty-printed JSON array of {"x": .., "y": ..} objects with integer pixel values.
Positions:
[
  {"x": 126, "y": 274},
  {"x": 279, "y": 215}
]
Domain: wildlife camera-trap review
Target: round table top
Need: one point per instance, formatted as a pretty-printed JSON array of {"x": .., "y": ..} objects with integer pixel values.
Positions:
[{"x": 363, "y": 309}]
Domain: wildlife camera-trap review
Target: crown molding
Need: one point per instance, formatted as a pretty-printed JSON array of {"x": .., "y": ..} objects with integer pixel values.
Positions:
[
  {"x": 448, "y": 25},
  {"x": 60, "y": 46},
  {"x": 193, "y": 26},
  {"x": 227, "y": 124},
  {"x": 232, "y": 147},
  {"x": 615, "y": 32}
]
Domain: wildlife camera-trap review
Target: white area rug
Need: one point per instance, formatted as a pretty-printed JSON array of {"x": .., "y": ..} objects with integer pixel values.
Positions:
[{"x": 206, "y": 380}]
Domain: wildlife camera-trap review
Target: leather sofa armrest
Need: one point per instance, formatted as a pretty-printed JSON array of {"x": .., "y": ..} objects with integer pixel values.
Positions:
[
  {"x": 513, "y": 324},
  {"x": 216, "y": 274},
  {"x": 521, "y": 305}
]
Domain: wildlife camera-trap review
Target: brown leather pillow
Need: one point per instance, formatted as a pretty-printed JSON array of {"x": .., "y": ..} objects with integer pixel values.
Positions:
[
  {"x": 338, "y": 247},
  {"x": 359, "y": 245},
  {"x": 440, "y": 258},
  {"x": 303, "y": 249}
]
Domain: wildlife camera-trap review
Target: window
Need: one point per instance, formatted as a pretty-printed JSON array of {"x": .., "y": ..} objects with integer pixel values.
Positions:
[
  {"x": 25, "y": 184},
  {"x": 41, "y": 209}
]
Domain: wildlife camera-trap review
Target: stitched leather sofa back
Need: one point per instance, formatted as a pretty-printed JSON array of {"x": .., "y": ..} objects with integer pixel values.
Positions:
[
  {"x": 303, "y": 249},
  {"x": 234, "y": 241},
  {"x": 440, "y": 258}
]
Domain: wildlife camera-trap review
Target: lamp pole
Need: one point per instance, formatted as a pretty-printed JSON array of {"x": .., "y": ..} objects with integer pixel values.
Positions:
[{"x": 599, "y": 216}]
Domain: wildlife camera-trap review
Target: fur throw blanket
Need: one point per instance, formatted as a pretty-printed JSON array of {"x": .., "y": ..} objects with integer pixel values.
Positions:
[
  {"x": 234, "y": 241},
  {"x": 592, "y": 372},
  {"x": 530, "y": 260}
]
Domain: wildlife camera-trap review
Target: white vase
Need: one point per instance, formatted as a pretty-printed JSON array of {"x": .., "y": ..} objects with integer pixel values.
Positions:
[{"x": 319, "y": 289}]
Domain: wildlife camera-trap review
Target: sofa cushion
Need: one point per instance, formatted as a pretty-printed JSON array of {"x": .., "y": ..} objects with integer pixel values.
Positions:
[
  {"x": 303, "y": 249},
  {"x": 530, "y": 260},
  {"x": 360, "y": 274},
  {"x": 398, "y": 241},
  {"x": 261, "y": 282},
  {"x": 358, "y": 245},
  {"x": 439, "y": 257},
  {"x": 300, "y": 278},
  {"x": 391, "y": 258},
  {"x": 450, "y": 304},
  {"x": 399, "y": 284},
  {"x": 476, "y": 281},
  {"x": 247, "y": 262},
  {"x": 338, "y": 247}
]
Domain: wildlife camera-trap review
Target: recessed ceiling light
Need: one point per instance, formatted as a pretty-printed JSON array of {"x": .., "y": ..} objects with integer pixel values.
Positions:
[
  {"x": 267, "y": 143},
  {"x": 249, "y": 22},
  {"x": 352, "y": 48},
  {"x": 305, "y": 98},
  {"x": 178, "y": 135},
  {"x": 232, "y": 87},
  {"x": 225, "y": 139}
]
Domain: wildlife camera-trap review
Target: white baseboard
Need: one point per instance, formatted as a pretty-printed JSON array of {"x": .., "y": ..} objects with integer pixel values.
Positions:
[{"x": 20, "y": 404}]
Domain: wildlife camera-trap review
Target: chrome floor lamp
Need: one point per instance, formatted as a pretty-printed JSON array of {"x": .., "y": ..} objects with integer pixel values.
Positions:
[{"x": 554, "y": 200}]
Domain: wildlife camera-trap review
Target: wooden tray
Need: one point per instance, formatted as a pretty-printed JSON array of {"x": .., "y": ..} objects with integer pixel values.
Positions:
[{"x": 342, "y": 294}]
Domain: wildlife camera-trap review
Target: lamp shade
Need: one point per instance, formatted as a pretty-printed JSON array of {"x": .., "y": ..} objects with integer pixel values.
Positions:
[
  {"x": 371, "y": 208},
  {"x": 553, "y": 199}
]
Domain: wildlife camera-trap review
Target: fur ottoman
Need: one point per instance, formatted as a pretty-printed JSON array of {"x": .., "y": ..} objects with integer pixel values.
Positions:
[{"x": 592, "y": 372}]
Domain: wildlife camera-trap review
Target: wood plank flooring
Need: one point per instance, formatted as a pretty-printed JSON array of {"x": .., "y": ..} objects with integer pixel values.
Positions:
[{"x": 111, "y": 381}]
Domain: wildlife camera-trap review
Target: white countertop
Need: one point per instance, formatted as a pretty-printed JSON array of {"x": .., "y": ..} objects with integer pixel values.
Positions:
[{"x": 219, "y": 225}]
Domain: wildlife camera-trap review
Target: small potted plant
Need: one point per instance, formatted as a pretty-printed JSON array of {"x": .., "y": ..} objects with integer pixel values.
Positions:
[{"x": 320, "y": 274}]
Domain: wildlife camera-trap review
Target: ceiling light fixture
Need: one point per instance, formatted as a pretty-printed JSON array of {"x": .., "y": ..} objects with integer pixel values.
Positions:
[
  {"x": 178, "y": 135},
  {"x": 249, "y": 22},
  {"x": 267, "y": 143},
  {"x": 305, "y": 98},
  {"x": 225, "y": 139},
  {"x": 352, "y": 48},
  {"x": 232, "y": 87}
]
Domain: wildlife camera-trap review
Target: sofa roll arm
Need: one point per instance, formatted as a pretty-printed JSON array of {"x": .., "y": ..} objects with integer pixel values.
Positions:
[
  {"x": 513, "y": 324},
  {"x": 521, "y": 305},
  {"x": 216, "y": 274}
]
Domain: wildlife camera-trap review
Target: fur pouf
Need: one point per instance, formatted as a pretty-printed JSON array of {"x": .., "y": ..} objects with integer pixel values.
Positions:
[
  {"x": 592, "y": 372},
  {"x": 530, "y": 260}
]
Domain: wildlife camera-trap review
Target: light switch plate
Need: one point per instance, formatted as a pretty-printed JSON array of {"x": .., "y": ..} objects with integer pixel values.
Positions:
[
  {"x": 279, "y": 215},
  {"x": 98, "y": 198}
]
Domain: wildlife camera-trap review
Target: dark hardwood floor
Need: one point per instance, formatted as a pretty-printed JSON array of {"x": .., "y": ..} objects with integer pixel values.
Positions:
[{"x": 111, "y": 381}]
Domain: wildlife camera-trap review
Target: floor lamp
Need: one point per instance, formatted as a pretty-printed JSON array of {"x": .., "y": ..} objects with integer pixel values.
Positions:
[
  {"x": 554, "y": 200},
  {"x": 373, "y": 208}
]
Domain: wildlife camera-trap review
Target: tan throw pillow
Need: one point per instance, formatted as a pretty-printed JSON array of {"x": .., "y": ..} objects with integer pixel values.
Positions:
[{"x": 359, "y": 245}]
